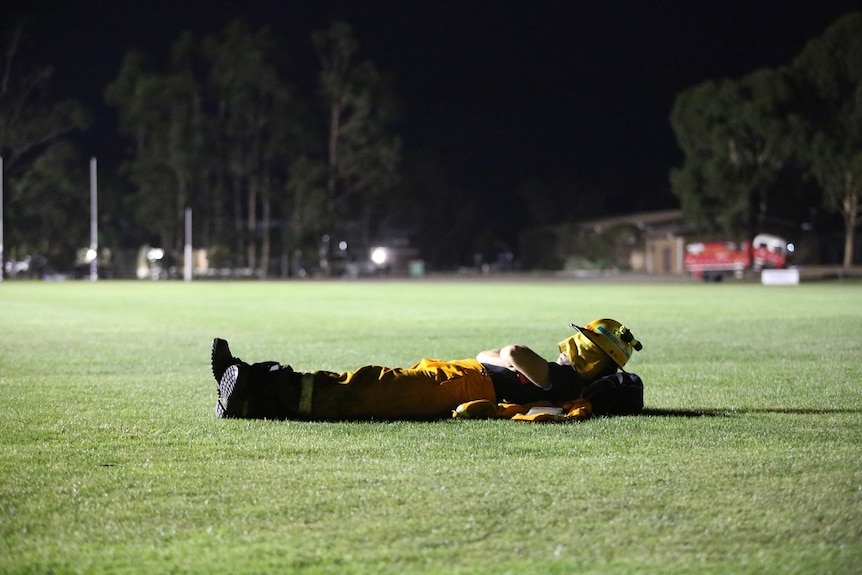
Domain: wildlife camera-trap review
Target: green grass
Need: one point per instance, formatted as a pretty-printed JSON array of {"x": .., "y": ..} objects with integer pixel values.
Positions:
[{"x": 112, "y": 461}]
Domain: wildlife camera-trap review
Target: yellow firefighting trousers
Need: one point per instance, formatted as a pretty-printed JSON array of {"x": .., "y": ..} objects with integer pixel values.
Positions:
[{"x": 430, "y": 389}]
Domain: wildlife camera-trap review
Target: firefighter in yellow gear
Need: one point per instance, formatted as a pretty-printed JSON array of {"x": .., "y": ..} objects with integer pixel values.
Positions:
[{"x": 430, "y": 389}]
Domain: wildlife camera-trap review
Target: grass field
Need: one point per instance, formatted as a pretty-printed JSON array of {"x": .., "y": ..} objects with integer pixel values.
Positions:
[{"x": 749, "y": 459}]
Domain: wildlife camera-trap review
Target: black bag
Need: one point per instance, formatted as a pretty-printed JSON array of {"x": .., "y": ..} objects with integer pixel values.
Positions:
[{"x": 617, "y": 394}]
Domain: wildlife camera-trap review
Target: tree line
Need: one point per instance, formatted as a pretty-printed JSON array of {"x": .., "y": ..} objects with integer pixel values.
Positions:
[
  {"x": 270, "y": 169},
  {"x": 768, "y": 148},
  {"x": 220, "y": 129}
]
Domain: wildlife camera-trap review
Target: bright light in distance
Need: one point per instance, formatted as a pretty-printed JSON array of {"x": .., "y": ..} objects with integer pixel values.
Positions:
[
  {"x": 91, "y": 255},
  {"x": 155, "y": 254},
  {"x": 379, "y": 256},
  {"x": 342, "y": 245},
  {"x": 791, "y": 248}
]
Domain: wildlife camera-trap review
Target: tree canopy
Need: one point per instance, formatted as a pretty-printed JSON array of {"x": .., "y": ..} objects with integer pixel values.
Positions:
[
  {"x": 740, "y": 137},
  {"x": 220, "y": 128},
  {"x": 44, "y": 173},
  {"x": 830, "y": 76}
]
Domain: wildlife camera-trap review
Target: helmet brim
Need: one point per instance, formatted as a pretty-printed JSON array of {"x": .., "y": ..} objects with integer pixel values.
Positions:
[{"x": 590, "y": 335}]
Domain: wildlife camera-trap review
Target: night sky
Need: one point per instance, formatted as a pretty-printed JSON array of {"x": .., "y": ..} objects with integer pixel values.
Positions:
[{"x": 580, "y": 90}]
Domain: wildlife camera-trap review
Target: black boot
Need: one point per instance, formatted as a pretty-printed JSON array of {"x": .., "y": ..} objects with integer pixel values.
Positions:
[
  {"x": 265, "y": 390},
  {"x": 221, "y": 358}
]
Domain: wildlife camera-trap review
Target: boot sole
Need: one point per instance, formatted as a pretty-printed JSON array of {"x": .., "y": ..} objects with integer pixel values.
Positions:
[{"x": 231, "y": 384}]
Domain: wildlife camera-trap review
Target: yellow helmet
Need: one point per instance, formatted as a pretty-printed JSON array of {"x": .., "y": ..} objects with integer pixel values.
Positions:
[{"x": 612, "y": 337}]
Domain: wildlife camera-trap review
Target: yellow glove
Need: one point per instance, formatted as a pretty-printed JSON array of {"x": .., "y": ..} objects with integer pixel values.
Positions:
[
  {"x": 478, "y": 409},
  {"x": 486, "y": 409}
]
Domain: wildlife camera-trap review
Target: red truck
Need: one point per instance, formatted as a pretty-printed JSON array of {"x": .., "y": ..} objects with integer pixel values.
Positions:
[{"x": 714, "y": 260}]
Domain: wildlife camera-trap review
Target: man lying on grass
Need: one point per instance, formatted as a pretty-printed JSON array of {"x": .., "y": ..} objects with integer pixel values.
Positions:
[{"x": 506, "y": 382}]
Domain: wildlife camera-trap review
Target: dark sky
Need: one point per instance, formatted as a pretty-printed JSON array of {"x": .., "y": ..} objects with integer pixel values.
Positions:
[{"x": 507, "y": 91}]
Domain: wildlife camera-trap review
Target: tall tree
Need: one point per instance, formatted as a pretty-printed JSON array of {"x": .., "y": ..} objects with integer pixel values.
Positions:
[
  {"x": 830, "y": 68},
  {"x": 44, "y": 173},
  {"x": 50, "y": 206},
  {"x": 30, "y": 120},
  {"x": 257, "y": 114},
  {"x": 161, "y": 113},
  {"x": 735, "y": 138},
  {"x": 759, "y": 139},
  {"x": 362, "y": 153},
  {"x": 305, "y": 207}
]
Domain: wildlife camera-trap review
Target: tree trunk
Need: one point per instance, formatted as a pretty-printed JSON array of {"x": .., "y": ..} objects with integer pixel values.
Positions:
[
  {"x": 264, "y": 242},
  {"x": 851, "y": 219},
  {"x": 181, "y": 215},
  {"x": 237, "y": 219},
  {"x": 331, "y": 182},
  {"x": 251, "y": 247}
]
